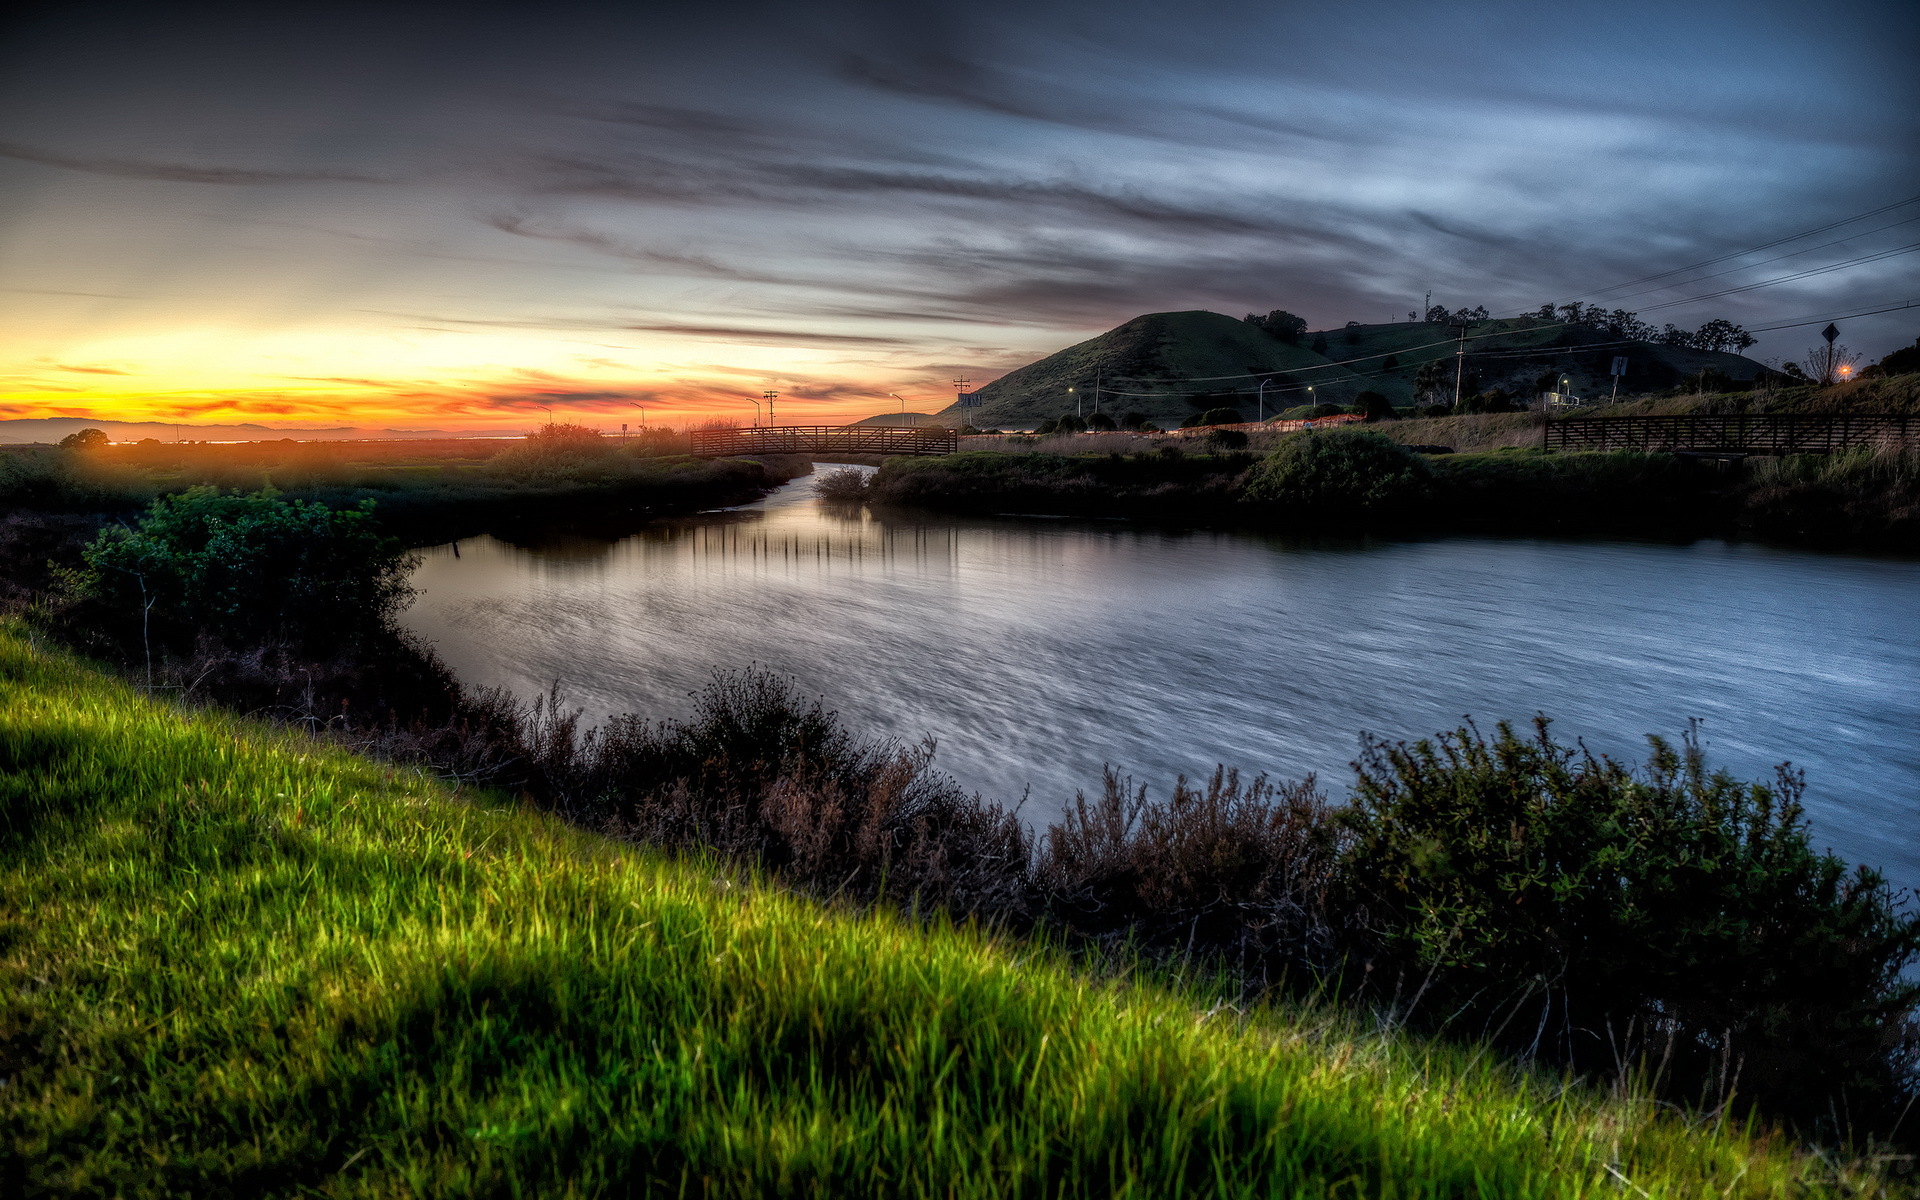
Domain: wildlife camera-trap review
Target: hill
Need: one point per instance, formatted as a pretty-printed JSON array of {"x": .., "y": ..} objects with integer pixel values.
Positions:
[
  {"x": 1515, "y": 353},
  {"x": 240, "y": 961},
  {"x": 1169, "y": 365},
  {"x": 1150, "y": 365}
]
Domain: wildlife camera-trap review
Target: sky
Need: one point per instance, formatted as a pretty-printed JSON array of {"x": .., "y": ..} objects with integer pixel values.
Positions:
[{"x": 488, "y": 216}]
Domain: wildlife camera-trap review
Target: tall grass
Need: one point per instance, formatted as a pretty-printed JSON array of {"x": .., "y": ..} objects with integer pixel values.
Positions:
[{"x": 239, "y": 962}]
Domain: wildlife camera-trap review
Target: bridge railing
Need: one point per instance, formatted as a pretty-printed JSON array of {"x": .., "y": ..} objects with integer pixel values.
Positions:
[
  {"x": 1746, "y": 433},
  {"x": 823, "y": 439}
]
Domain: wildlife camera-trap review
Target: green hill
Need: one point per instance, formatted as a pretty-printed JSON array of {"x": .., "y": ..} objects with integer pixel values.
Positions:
[
  {"x": 239, "y": 961},
  {"x": 1167, "y": 356},
  {"x": 1514, "y": 353},
  {"x": 1187, "y": 361}
]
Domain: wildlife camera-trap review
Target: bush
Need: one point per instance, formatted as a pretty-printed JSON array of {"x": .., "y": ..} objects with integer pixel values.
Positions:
[
  {"x": 1374, "y": 407},
  {"x": 845, "y": 485},
  {"x": 1340, "y": 472},
  {"x": 558, "y": 451},
  {"x": 1227, "y": 439},
  {"x": 1671, "y": 918},
  {"x": 1214, "y": 416},
  {"x": 1101, "y": 421},
  {"x": 247, "y": 567},
  {"x": 1133, "y": 420}
]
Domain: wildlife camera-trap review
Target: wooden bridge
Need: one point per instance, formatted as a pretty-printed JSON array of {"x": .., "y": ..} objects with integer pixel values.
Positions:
[
  {"x": 1736, "y": 434},
  {"x": 823, "y": 439}
]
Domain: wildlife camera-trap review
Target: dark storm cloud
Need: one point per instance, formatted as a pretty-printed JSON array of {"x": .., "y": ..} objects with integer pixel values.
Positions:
[{"x": 177, "y": 172}]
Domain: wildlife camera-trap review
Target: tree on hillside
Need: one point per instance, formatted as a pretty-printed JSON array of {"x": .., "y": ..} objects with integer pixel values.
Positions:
[
  {"x": 1900, "y": 362},
  {"x": 1373, "y": 406},
  {"x": 1433, "y": 377},
  {"x": 1390, "y": 363},
  {"x": 1320, "y": 344},
  {"x": 1280, "y": 324},
  {"x": 1723, "y": 335},
  {"x": 85, "y": 439}
]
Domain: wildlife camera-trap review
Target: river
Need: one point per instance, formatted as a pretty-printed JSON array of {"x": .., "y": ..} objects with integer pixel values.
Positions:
[{"x": 1038, "y": 650}]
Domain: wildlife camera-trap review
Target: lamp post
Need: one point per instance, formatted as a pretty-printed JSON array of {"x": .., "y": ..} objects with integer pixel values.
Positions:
[
  {"x": 1263, "y": 398},
  {"x": 756, "y": 411},
  {"x": 1076, "y": 401}
]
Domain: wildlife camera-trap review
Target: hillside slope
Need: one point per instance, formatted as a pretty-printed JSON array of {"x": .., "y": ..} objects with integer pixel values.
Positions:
[
  {"x": 1160, "y": 354},
  {"x": 1168, "y": 365},
  {"x": 237, "y": 962},
  {"x": 1513, "y": 353}
]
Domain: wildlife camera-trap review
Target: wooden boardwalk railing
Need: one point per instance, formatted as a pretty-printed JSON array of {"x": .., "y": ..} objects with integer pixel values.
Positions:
[
  {"x": 1743, "y": 433},
  {"x": 823, "y": 439}
]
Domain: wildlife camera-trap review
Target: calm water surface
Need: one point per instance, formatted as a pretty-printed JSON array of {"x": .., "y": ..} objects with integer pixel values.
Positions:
[{"x": 1036, "y": 651}]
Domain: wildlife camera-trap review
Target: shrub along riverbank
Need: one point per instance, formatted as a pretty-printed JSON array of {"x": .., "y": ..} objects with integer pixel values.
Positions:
[
  {"x": 1364, "y": 480},
  {"x": 240, "y": 961}
]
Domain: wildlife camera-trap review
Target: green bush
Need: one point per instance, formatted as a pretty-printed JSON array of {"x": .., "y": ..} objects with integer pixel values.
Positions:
[
  {"x": 1669, "y": 917},
  {"x": 1374, "y": 407},
  {"x": 1214, "y": 416},
  {"x": 1348, "y": 472},
  {"x": 239, "y": 566},
  {"x": 559, "y": 451},
  {"x": 1227, "y": 439}
]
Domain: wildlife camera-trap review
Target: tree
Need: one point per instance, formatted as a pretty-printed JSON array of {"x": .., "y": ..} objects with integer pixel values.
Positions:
[
  {"x": 1100, "y": 421},
  {"x": 1390, "y": 363},
  {"x": 1372, "y": 406},
  {"x": 85, "y": 439},
  {"x": 1133, "y": 420},
  {"x": 1340, "y": 474},
  {"x": 1721, "y": 334},
  {"x": 1900, "y": 362},
  {"x": 1431, "y": 380},
  {"x": 1320, "y": 343},
  {"x": 1280, "y": 324}
]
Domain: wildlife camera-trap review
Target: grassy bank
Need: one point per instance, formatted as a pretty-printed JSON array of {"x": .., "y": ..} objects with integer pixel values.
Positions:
[
  {"x": 1862, "y": 500},
  {"x": 239, "y": 962},
  {"x": 423, "y": 494}
]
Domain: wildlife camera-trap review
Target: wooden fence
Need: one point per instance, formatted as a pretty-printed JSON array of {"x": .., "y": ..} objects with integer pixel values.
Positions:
[{"x": 1743, "y": 433}]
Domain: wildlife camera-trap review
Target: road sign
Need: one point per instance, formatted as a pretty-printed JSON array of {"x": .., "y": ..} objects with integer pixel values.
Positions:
[
  {"x": 1619, "y": 366},
  {"x": 1830, "y": 332}
]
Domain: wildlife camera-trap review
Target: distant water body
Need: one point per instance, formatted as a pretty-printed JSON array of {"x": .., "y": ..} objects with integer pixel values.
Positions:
[{"x": 1036, "y": 651}]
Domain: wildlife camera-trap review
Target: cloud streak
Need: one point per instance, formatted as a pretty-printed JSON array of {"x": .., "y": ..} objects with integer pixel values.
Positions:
[{"x": 127, "y": 168}]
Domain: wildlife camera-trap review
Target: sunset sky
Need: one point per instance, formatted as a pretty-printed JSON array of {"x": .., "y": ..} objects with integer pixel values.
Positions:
[{"x": 466, "y": 217}]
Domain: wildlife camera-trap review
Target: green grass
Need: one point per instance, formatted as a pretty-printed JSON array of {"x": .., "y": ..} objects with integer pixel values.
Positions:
[{"x": 234, "y": 961}]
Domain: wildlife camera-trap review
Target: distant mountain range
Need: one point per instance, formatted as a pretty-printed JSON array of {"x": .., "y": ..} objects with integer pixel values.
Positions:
[
  {"x": 27, "y": 430},
  {"x": 1170, "y": 365}
]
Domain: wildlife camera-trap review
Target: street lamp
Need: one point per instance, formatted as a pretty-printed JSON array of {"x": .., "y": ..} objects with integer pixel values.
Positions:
[
  {"x": 1263, "y": 398},
  {"x": 756, "y": 411},
  {"x": 1076, "y": 401}
]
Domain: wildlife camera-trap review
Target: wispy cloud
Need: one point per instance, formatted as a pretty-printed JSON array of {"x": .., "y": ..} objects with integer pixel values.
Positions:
[{"x": 178, "y": 172}]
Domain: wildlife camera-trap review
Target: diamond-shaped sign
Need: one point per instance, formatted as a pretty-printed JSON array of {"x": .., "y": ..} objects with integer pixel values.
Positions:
[{"x": 1830, "y": 332}]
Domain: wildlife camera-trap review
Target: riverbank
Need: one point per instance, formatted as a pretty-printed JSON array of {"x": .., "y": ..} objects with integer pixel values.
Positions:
[
  {"x": 313, "y": 973},
  {"x": 1862, "y": 500}
]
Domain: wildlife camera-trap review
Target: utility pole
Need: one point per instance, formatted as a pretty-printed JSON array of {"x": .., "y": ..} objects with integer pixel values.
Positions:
[
  {"x": 770, "y": 397},
  {"x": 960, "y": 398},
  {"x": 1459, "y": 366}
]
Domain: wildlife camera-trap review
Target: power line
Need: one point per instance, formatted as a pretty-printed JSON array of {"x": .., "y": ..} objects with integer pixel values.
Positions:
[
  {"x": 1823, "y": 318},
  {"x": 1763, "y": 262},
  {"x": 1749, "y": 250},
  {"x": 1807, "y": 274}
]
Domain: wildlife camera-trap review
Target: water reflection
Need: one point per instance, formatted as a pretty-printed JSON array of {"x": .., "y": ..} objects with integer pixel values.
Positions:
[{"x": 1036, "y": 651}]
